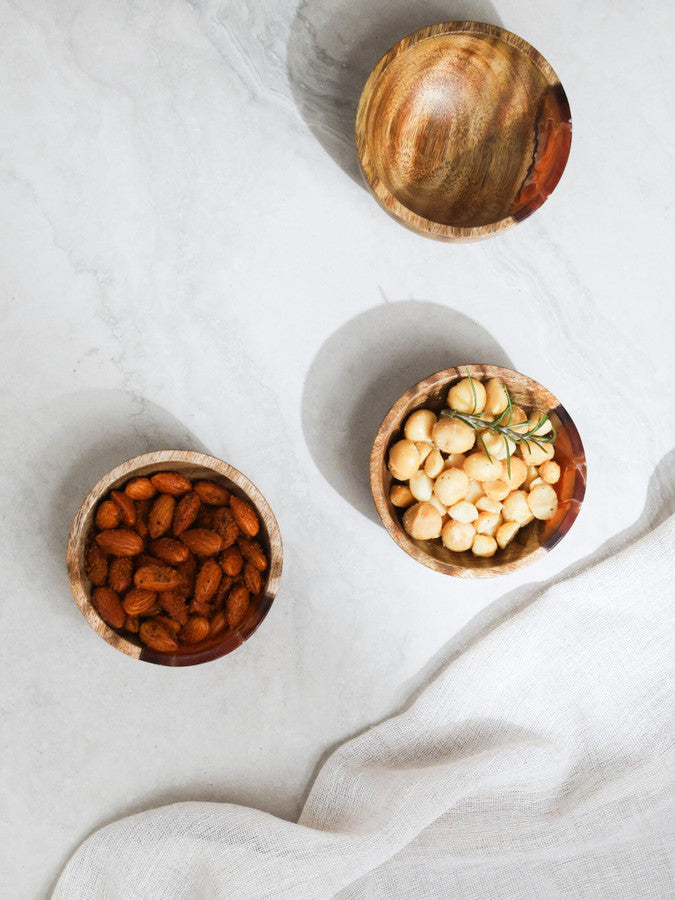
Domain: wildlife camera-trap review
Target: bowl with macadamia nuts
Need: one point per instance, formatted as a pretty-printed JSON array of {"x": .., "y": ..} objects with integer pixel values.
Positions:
[{"x": 477, "y": 471}]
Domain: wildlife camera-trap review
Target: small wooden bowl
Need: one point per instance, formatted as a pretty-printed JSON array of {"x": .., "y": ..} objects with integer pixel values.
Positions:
[
  {"x": 195, "y": 466},
  {"x": 531, "y": 542},
  {"x": 463, "y": 129}
]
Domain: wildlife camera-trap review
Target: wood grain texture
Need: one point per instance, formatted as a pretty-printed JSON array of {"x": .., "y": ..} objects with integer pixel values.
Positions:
[
  {"x": 531, "y": 542},
  {"x": 463, "y": 129},
  {"x": 194, "y": 466}
]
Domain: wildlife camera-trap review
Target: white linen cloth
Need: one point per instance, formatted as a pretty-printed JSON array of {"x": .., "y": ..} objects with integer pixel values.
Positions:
[{"x": 536, "y": 765}]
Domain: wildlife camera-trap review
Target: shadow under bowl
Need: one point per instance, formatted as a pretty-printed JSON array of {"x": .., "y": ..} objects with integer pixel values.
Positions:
[
  {"x": 463, "y": 130},
  {"x": 194, "y": 466},
  {"x": 532, "y": 541}
]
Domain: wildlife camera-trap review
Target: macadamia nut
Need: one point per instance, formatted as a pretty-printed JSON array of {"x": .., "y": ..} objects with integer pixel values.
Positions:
[
  {"x": 496, "y": 490},
  {"x": 451, "y": 486},
  {"x": 516, "y": 509},
  {"x": 487, "y": 523},
  {"x": 480, "y": 468},
  {"x": 485, "y": 504},
  {"x": 467, "y": 396},
  {"x": 424, "y": 448},
  {"x": 400, "y": 495},
  {"x": 550, "y": 471},
  {"x": 453, "y": 436},
  {"x": 484, "y": 545},
  {"x": 506, "y": 532},
  {"x": 458, "y": 536},
  {"x": 419, "y": 424},
  {"x": 518, "y": 472},
  {"x": 496, "y": 444},
  {"x": 421, "y": 486},
  {"x": 543, "y": 502},
  {"x": 463, "y": 512},
  {"x": 423, "y": 522},
  {"x": 404, "y": 460},
  {"x": 496, "y": 400},
  {"x": 474, "y": 491},
  {"x": 535, "y": 455},
  {"x": 434, "y": 464}
]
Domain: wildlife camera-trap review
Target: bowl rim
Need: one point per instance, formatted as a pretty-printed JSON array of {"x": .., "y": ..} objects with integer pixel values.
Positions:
[
  {"x": 79, "y": 533},
  {"x": 401, "y": 213},
  {"x": 384, "y": 436}
]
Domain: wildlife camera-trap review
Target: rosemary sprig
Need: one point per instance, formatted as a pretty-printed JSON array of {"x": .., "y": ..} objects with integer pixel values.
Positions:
[{"x": 502, "y": 426}]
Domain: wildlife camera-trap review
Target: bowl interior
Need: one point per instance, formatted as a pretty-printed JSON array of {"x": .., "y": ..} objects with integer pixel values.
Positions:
[
  {"x": 530, "y": 542},
  {"x": 194, "y": 466},
  {"x": 464, "y": 125}
]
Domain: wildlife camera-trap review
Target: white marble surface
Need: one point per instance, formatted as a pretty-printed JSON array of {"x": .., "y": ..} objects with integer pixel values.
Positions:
[{"x": 186, "y": 261}]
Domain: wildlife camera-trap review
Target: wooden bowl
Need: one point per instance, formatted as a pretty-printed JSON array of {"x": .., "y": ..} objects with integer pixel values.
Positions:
[
  {"x": 463, "y": 130},
  {"x": 531, "y": 542},
  {"x": 194, "y": 466}
]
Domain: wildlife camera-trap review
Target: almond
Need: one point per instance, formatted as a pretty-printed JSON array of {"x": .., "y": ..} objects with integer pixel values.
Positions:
[
  {"x": 223, "y": 523},
  {"x": 171, "y": 626},
  {"x": 245, "y": 516},
  {"x": 232, "y": 561},
  {"x": 126, "y": 506},
  {"x": 226, "y": 583},
  {"x": 237, "y": 605},
  {"x": 254, "y": 553},
  {"x": 201, "y": 541},
  {"x": 186, "y": 513},
  {"x": 140, "y": 489},
  {"x": 208, "y": 579},
  {"x": 252, "y": 578},
  {"x": 145, "y": 560},
  {"x": 169, "y": 551},
  {"x": 108, "y": 515},
  {"x": 195, "y": 630},
  {"x": 161, "y": 516},
  {"x": 156, "y": 578},
  {"x": 108, "y": 606},
  {"x": 120, "y": 542},
  {"x": 173, "y": 603},
  {"x": 171, "y": 483},
  {"x": 132, "y": 624},
  {"x": 199, "y": 609},
  {"x": 96, "y": 565},
  {"x": 218, "y": 623},
  {"x": 139, "y": 602},
  {"x": 188, "y": 572},
  {"x": 142, "y": 515},
  {"x": 120, "y": 574},
  {"x": 211, "y": 493},
  {"x": 157, "y": 636}
]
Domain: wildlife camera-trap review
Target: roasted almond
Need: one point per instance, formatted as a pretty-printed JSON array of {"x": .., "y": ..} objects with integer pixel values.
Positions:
[
  {"x": 120, "y": 574},
  {"x": 156, "y": 578},
  {"x": 157, "y": 636},
  {"x": 120, "y": 542},
  {"x": 173, "y": 603},
  {"x": 171, "y": 483},
  {"x": 199, "y": 609},
  {"x": 252, "y": 578},
  {"x": 161, "y": 516},
  {"x": 139, "y": 602},
  {"x": 132, "y": 624},
  {"x": 107, "y": 605},
  {"x": 169, "y": 551},
  {"x": 254, "y": 553},
  {"x": 96, "y": 564},
  {"x": 172, "y": 626},
  {"x": 218, "y": 623},
  {"x": 145, "y": 560},
  {"x": 188, "y": 573},
  {"x": 208, "y": 579},
  {"x": 126, "y": 507},
  {"x": 223, "y": 523},
  {"x": 142, "y": 515},
  {"x": 237, "y": 605},
  {"x": 245, "y": 516},
  {"x": 186, "y": 513},
  {"x": 201, "y": 541},
  {"x": 231, "y": 560},
  {"x": 195, "y": 630},
  {"x": 211, "y": 493},
  {"x": 226, "y": 583},
  {"x": 140, "y": 489},
  {"x": 108, "y": 515}
]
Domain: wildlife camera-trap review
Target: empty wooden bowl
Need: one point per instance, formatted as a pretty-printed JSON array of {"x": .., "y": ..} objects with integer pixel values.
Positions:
[
  {"x": 532, "y": 541},
  {"x": 463, "y": 129},
  {"x": 194, "y": 466}
]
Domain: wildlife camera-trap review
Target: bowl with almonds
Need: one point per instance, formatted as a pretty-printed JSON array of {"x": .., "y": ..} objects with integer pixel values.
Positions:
[
  {"x": 477, "y": 471},
  {"x": 174, "y": 558}
]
